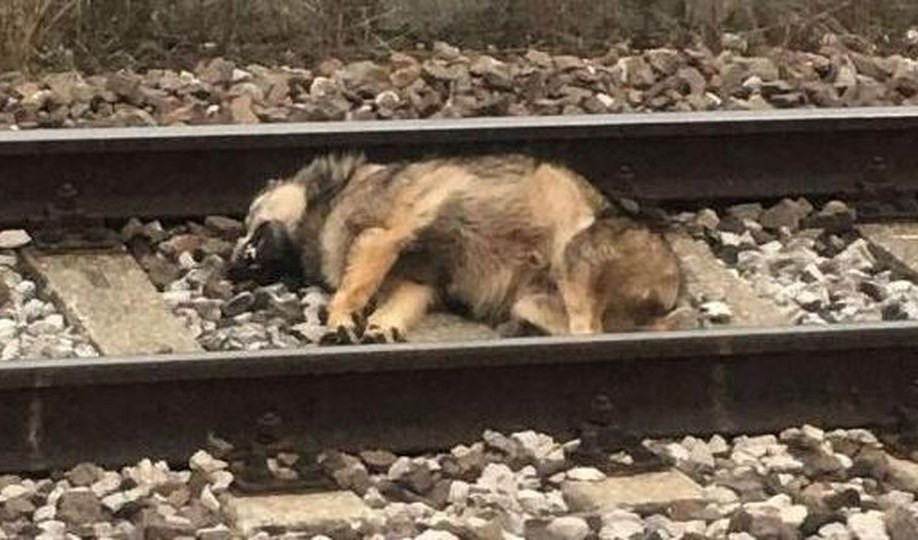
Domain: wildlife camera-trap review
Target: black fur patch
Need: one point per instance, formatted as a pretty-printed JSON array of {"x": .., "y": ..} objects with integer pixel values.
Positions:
[{"x": 269, "y": 256}]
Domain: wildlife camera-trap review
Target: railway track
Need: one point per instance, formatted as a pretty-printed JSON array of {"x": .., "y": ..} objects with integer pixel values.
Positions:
[{"x": 759, "y": 371}]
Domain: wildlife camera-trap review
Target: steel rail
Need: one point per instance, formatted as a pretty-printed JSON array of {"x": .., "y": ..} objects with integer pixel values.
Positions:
[
  {"x": 182, "y": 171},
  {"x": 421, "y": 396}
]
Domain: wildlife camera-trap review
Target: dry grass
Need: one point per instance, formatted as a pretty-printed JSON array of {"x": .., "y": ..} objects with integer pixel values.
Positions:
[
  {"x": 25, "y": 25},
  {"x": 102, "y": 34}
]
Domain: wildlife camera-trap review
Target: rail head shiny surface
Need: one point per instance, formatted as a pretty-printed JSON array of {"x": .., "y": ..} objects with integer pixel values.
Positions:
[{"x": 463, "y": 129}]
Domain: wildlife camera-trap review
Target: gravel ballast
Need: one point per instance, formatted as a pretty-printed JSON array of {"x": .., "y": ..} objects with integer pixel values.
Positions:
[
  {"x": 811, "y": 261},
  {"x": 31, "y": 326},
  {"x": 799, "y": 483},
  {"x": 444, "y": 81},
  {"x": 187, "y": 263}
]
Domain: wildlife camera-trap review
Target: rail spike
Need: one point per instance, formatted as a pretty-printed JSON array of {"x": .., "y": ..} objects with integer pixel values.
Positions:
[
  {"x": 250, "y": 463},
  {"x": 600, "y": 436},
  {"x": 65, "y": 225}
]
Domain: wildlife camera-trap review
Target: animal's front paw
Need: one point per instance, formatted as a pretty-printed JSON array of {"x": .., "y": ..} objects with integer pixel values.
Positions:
[
  {"x": 336, "y": 318},
  {"x": 516, "y": 327},
  {"x": 341, "y": 335},
  {"x": 379, "y": 334},
  {"x": 343, "y": 330}
]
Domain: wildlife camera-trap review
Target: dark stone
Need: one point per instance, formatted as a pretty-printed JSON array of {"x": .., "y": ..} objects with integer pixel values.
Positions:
[
  {"x": 160, "y": 271},
  {"x": 762, "y": 236},
  {"x": 835, "y": 217},
  {"x": 225, "y": 227},
  {"x": 873, "y": 289},
  {"x": 219, "y": 289},
  {"x": 871, "y": 463},
  {"x": 816, "y": 519},
  {"x": 16, "y": 508},
  {"x": 439, "y": 495},
  {"x": 239, "y": 304},
  {"x": 746, "y": 211},
  {"x": 846, "y": 498},
  {"x": 79, "y": 507},
  {"x": 84, "y": 474},
  {"x": 378, "y": 461},
  {"x": 766, "y": 527},
  {"x": 732, "y": 224},
  {"x": 818, "y": 463},
  {"x": 786, "y": 213},
  {"x": 419, "y": 479},
  {"x": 199, "y": 515},
  {"x": 4, "y": 294},
  {"x": 748, "y": 485}
]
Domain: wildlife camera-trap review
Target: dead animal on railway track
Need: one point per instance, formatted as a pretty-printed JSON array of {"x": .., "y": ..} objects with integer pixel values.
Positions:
[{"x": 508, "y": 237}]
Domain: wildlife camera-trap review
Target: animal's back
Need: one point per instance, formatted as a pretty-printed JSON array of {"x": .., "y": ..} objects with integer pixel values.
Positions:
[{"x": 505, "y": 226}]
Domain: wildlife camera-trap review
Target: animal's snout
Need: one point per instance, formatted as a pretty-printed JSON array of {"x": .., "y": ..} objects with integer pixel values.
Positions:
[{"x": 265, "y": 256}]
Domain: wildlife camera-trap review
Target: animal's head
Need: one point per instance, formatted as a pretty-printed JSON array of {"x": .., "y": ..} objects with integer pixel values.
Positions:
[
  {"x": 274, "y": 244},
  {"x": 268, "y": 251}
]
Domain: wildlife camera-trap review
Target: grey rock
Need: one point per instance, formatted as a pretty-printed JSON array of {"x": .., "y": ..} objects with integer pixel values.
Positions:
[
  {"x": 786, "y": 214},
  {"x": 868, "y": 525},
  {"x": 378, "y": 461},
  {"x": 80, "y": 507},
  {"x": 84, "y": 474},
  {"x": 664, "y": 61},
  {"x": 14, "y": 238},
  {"x": 8, "y": 329},
  {"x": 750, "y": 211},
  {"x": 835, "y": 216},
  {"x": 16, "y": 508},
  {"x": 52, "y": 324},
  {"x": 495, "y": 73},
  {"x": 901, "y": 524},
  {"x": 26, "y": 289},
  {"x": 621, "y": 524},
  {"x": 209, "y": 309},
  {"x": 206, "y": 463},
  {"x": 365, "y": 77},
  {"x": 707, "y": 219},
  {"x": 568, "y": 528},
  {"x": 219, "y": 532}
]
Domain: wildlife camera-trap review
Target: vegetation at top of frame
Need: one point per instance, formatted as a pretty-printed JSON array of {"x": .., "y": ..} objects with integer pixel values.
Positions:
[{"x": 96, "y": 35}]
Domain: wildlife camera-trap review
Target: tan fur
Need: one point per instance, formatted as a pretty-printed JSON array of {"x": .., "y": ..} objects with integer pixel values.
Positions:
[
  {"x": 507, "y": 236},
  {"x": 405, "y": 303}
]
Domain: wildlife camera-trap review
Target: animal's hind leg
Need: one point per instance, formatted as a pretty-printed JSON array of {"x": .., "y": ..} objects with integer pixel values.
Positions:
[
  {"x": 584, "y": 308},
  {"x": 545, "y": 311},
  {"x": 401, "y": 309},
  {"x": 371, "y": 256}
]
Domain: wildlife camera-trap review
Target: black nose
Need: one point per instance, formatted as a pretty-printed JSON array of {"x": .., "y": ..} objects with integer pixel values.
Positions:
[{"x": 268, "y": 256}]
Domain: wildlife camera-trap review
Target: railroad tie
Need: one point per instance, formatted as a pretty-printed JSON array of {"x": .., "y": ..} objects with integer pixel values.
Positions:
[
  {"x": 318, "y": 513},
  {"x": 706, "y": 277},
  {"x": 112, "y": 299},
  {"x": 652, "y": 491},
  {"x": 895, "y": 243}
]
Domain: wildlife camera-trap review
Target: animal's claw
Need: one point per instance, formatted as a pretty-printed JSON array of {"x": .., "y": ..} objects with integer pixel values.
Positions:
[{"x": 379, "y": 334}]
